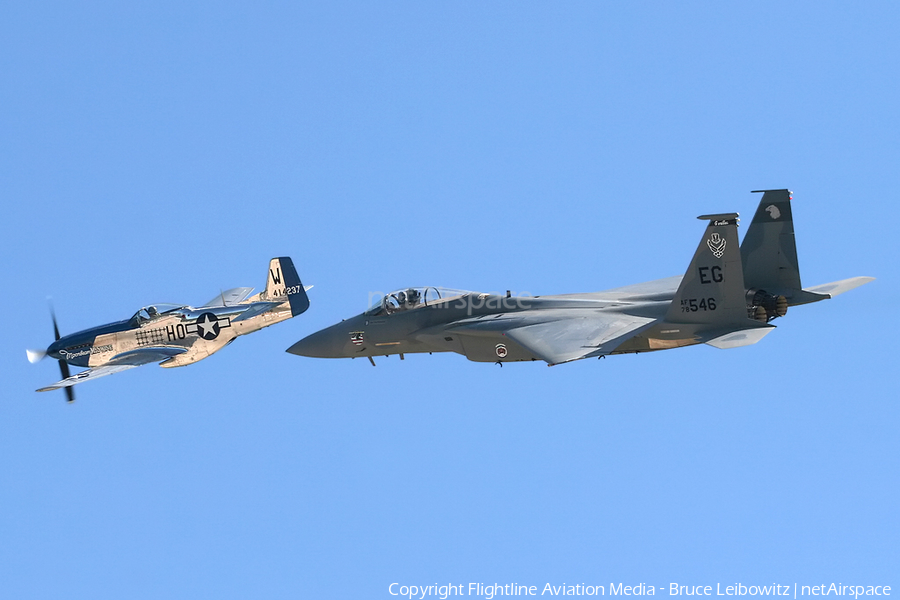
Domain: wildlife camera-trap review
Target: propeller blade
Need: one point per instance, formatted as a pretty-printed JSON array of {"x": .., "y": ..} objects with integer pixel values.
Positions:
[
  {"x": 63, "y": 365},
  {"x": 35, "y": 355},
  {"x": 55, "y": 327},
  {"x": 64, "y": 371}
]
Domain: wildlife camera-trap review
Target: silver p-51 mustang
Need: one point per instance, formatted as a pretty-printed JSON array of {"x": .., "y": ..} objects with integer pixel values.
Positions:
[
  {"x": 175, "y": 335},
  {"x": 727, "y": 298}
]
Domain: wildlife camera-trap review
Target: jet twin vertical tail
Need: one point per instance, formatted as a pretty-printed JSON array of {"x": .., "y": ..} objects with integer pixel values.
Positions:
[
  {"x": 711, "y": 296},
  {"x": 769, "y": 250},
  {"x": 769, "y": 255},
  {"x": 712, "y": 289}
]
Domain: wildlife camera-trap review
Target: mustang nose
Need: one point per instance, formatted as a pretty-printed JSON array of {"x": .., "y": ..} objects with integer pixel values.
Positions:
[
  {"x": 53, "y": 349},
  {"x": 321, "y": 344}
]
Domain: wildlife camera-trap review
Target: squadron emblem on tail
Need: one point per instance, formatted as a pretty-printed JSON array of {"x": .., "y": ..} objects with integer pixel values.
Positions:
[{"x": 716, "y": 245}]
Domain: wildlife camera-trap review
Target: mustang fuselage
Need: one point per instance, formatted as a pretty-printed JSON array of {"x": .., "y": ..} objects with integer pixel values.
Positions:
[{"x": 193, "y": 333}]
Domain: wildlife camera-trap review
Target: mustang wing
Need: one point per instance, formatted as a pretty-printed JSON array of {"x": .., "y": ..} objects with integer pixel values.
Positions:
[
  {"x": 87, "y": 375},
  {"x": 120, "y": 362},
  {"x": 230, "y": 297}
]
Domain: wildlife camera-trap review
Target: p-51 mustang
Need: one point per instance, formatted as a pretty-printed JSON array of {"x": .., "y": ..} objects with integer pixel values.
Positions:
[
  {"x": 175, "y": 335},
  {"x": 727, "y": 298}
]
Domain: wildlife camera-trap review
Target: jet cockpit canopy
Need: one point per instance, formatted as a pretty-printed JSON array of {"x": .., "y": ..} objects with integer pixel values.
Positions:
[{"x": 415, "y": 297}]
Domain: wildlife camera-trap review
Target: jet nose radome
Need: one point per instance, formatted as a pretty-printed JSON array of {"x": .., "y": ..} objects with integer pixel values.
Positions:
[{"x": 327, "y": 343}]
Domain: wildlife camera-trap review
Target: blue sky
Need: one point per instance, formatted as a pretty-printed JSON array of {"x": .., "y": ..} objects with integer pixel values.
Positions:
[{"x": 159, "y": 152}]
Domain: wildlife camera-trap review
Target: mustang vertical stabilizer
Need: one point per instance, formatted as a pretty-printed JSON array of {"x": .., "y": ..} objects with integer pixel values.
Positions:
[{"x": 284, "y": 281}]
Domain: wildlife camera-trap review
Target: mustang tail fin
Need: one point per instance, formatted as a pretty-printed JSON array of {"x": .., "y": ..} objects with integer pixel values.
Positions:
[
  {"x": 712, "y": 289},
  {"x": 283, "y": 283}
]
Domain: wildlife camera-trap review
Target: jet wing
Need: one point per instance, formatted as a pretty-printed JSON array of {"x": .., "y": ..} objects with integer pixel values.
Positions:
[
  {"x": 558, "y": 336},
  {"x": 573, "y": 338},
  {"x": 230, "y": 297},
  {"x": 120, "y": 362}
]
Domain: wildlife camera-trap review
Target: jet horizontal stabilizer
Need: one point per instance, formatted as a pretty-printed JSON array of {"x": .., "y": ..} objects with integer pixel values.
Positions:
[
  {"x": 736, "y": 339},
  {"x": 836, "y": 288}
]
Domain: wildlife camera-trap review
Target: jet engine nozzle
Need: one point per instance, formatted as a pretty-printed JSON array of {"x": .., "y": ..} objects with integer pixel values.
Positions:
[{"x": 763, "y": 306}]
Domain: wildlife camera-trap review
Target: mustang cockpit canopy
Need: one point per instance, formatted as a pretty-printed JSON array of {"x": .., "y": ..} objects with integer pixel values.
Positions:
[
  {"x": 153, "y": 312},
  {"x": 414, "y": 297}
]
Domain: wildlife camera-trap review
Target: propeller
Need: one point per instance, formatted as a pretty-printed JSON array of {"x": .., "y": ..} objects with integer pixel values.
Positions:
[
  {"x": 64, "y": 369},
  {"x": 63, "y": 365},
  {"x": 36, "y": 355}
]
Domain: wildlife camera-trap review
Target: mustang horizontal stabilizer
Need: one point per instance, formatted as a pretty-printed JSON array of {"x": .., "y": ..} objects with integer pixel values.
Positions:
[
  {"x": 230, "y": 297},
  {"x": 257, "y": 308}
]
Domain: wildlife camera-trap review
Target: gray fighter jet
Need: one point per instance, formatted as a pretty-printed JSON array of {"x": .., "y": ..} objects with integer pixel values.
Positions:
[
  {"x": 727, "y": 298},
  {"x": 174, "y": 335}
]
